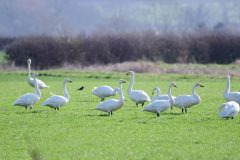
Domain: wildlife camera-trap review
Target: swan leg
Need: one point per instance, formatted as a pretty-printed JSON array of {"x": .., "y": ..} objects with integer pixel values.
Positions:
[
  {"x": 55, "y": 109},
  {"x": 102, "y": 99},
  {"x": 58, "y": 108},
  {"x": 158, "y": 114},
  {"x": 109, "y": 113},
  {"x": 142, "y": 103},
  {"x": 232, "y": 117},
  {"x": 30, "y": 107},
  {"x": 25, "y": 107},
  {"x": 185, "y": 110},
  {"x": 182, "y": 110},
  {"x": 137, "y": 104},
  {"x": 171, "y": 107}
]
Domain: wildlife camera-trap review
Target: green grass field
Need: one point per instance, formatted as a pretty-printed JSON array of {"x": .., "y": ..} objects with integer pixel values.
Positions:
[{"x": 77, "y": 131}]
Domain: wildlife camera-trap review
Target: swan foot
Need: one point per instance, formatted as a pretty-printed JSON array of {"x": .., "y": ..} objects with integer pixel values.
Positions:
[
  {"x": 185, "y": 110},
  {"x": 158, "y": 114}
]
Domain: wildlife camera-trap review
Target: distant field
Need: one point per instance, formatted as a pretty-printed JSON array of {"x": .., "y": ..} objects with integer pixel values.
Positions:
[{"x": 77, "y": 131}]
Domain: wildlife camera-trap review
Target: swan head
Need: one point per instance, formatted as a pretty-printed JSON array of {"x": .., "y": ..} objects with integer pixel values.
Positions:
[
  {"x": 228, "y": 77},
  {"x": 173, "y": 84},
  {"x": 198, "y": 85},
  {"x": 155, "y": 89},
  {"x": 67, "y": 80},
  {"x": 130, "y": 73},
  {"x": 29, "y": 61},
  {"x": 121, "y": 81}
]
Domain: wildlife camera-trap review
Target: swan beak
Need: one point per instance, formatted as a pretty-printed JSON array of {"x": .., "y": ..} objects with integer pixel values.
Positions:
[
  {"x": 127, "y": 73},
  {"x": 201, "y": 85},
  {"x": 152, "y": 93},
  {"x": 123, "y": 81},
  {"x": 69, "y": 81},
  {"x": 175, "y": 86}
]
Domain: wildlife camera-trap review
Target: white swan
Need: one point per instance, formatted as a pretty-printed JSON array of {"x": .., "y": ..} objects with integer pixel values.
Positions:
[
  {"x": 29, "y": 99},
  {"x": 30, "y": 80},
  {"x": 57, "y": 101},
  {"x": 229, "y": 109},
  {"x": 187, "y": 101},
  {"x": 104, "y": 91},
  {"x": 231, "y": 96},
  {"x": 137, "y": 96},
  {"x": 113, "y": 104},
  {"x": 158, "y": 96},
  {"x": 161, "y": 105}
]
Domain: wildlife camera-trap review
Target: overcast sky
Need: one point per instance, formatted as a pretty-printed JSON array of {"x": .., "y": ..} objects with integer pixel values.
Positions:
[{"x": 56, "y": 17}]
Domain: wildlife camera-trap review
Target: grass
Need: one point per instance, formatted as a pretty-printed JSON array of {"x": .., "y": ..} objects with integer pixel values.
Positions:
[
  {"x": 77, "y": 131},
  {"x": 3, "y": 59}
]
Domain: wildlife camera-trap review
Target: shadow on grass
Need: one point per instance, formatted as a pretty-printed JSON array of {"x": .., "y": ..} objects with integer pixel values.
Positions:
[
  {"x": 31, "y": 112},
  {"x": 97, "y": 115}
]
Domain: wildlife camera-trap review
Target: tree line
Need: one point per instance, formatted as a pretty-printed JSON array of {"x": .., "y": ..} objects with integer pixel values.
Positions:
[{"x": 48, "y": 52}]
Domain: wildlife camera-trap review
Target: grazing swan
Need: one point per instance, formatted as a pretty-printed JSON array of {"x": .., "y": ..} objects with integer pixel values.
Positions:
[
  {"x": 104, "y": 91},
  {"x": 187, "y": 101},
  {"x": 29, "y": 99},
  {"x": 137, "y": 96},
  {"x": 113, "y": 104},
  {"x": 30, "y": 80},
  {"x": 231, "y": 96},
  {"x": 229, "y": 109},
  {"x": 57, "y": 101},
  {"x": 161, "y": 105}
]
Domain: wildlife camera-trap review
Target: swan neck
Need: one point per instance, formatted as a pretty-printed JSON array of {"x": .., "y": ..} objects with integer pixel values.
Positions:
[
  {"x": 37, "y": 90},
  {"x": 194, "y": 94},
  {"x": 228, "y": 85},
  {"x": 121, "y": 98},
  {"x": 29, "y": 70},
  {"x": 131, "y": 83},
  {"x": 64, "y": 88},
  {"x": 170, "y": 95}
]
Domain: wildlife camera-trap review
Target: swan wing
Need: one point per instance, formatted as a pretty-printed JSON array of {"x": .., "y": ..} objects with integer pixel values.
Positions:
[
  {"x": 229, "y": 109},
  {"x": 139, "y": 96},
  {"x": 102, "y": 91},
  {"x": 157, "y": 106},
  {"x": 160, "y": 97},
  {"x": 108, "y": 105},
  {"x": 27, "y": 99},
  {"x": 41, "y": 84},
  {"x": 55, "y": 101},
  {"x": 234, "y": 96},
  {"x": 184, "y": 101}
]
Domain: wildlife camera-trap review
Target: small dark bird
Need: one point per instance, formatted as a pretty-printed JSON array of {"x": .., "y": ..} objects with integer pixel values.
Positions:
[{"x": 81, "y": 88}]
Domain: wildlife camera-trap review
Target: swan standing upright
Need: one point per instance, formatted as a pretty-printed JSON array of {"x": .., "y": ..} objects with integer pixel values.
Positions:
[
  {"x": 104, "y": 91},
  {"x": 229, "y": 109},
  {"x": 30, "y": 80},
  {"x": 112, "y": 104},
  {"x": 186, "y": 101},
  {"x": 137, "y": 96},
  {"x": 158, "y": 106},
  {"x": 29, "y": 99},
  {"x": 57, "y": 101},
  {"x": 231, "y": 96}
]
